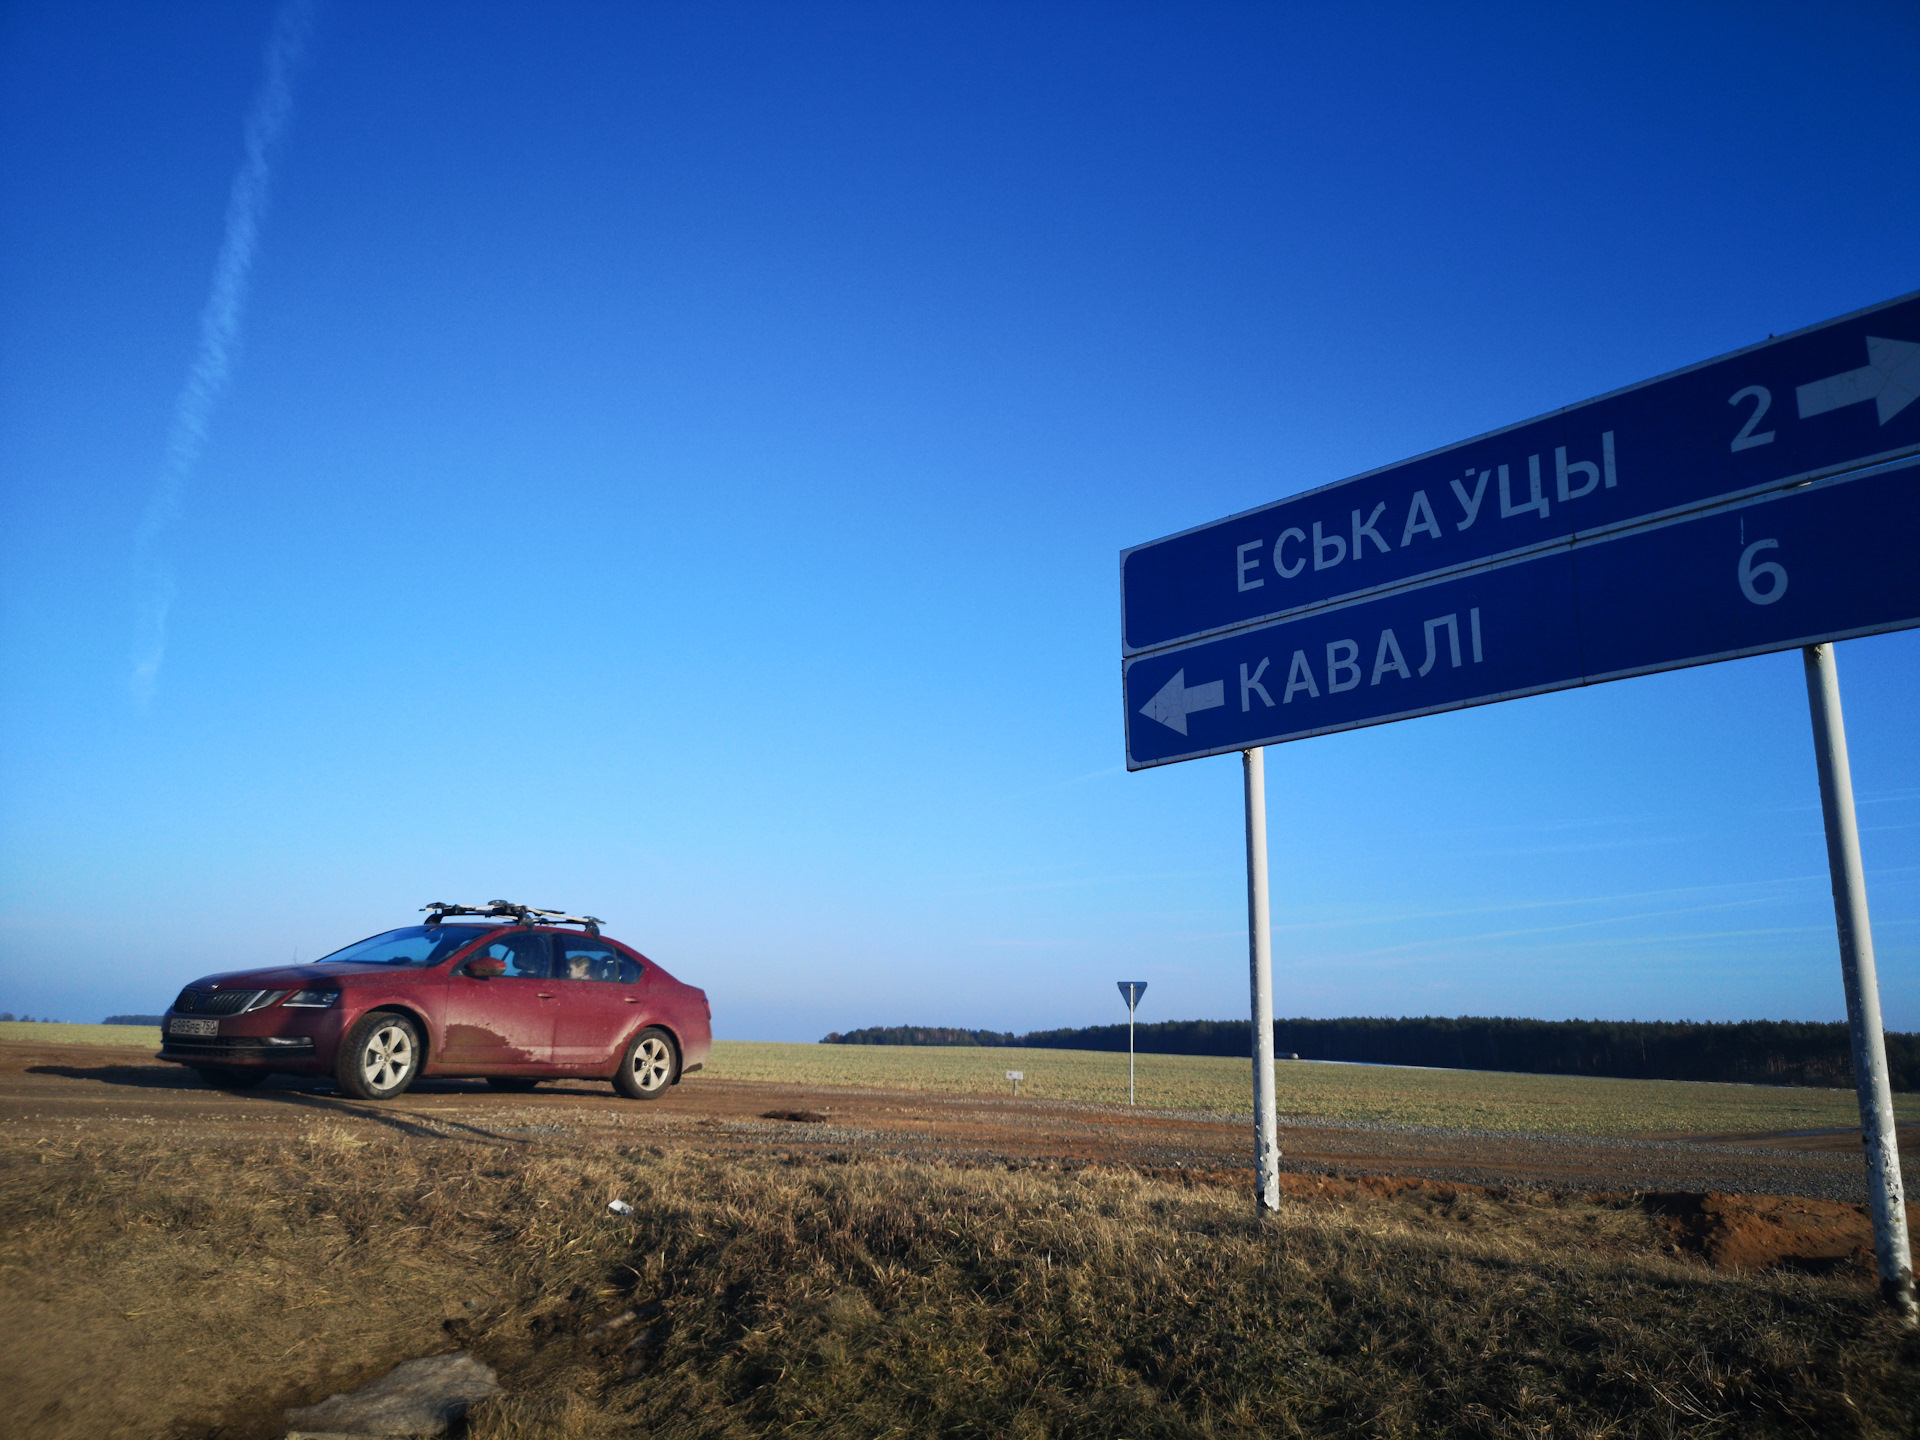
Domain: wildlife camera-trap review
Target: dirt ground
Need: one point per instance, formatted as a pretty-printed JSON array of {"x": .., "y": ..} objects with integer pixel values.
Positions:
[{"x": 1746, "y": 1201}]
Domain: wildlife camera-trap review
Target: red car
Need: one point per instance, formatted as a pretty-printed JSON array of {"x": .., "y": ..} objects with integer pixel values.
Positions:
[{"x": 518, "y": 997}]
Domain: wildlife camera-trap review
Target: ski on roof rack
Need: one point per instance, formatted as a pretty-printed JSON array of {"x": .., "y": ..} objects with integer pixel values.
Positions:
[{"x": 439, "y": 910}]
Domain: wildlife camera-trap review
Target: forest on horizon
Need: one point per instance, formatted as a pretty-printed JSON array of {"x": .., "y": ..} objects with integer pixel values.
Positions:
[{"x": 1750, "y": 1052}]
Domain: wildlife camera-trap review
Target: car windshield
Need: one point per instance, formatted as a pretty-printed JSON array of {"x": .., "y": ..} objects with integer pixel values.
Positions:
[{"x": 417, "y": 945}]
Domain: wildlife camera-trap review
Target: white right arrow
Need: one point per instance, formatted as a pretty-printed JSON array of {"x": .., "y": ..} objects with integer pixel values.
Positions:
[
  {"x": 1890, "y": 378},
  {"x": 1175, "y": 701}
]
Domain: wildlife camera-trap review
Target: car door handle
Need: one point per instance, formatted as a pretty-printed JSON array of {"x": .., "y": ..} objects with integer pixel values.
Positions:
[
  {"x": 631, "y": 999},
  {"x": 544, "y": 994}
]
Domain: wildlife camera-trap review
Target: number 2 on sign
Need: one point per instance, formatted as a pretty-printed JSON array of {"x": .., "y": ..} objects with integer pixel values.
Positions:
[
  {"x": 1762, "y": 401},
  {"x": 1750, "y": 574}
]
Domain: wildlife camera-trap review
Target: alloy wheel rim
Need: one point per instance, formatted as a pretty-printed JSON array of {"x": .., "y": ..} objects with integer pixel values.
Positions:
[
  {"x": 388, "y": 1057},
  {"x": 651, "y": 1063}
]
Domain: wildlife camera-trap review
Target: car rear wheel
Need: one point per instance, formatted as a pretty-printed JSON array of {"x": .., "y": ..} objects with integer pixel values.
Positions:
[
  {"x": 649, "y": 1067},
  {"x": 513, "y": 1084},
  {"x": 223, "y": 1078},
  {"x": 379, "y": 1058}
]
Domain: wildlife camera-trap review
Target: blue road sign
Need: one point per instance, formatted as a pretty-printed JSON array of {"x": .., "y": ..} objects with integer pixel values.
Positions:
[
  {"x": 1824, "y": 560},
  {"x": 1833, "y": 397}
]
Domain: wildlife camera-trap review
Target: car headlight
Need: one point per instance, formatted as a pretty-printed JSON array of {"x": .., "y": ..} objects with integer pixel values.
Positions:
[{"x": 311, "y": 999}]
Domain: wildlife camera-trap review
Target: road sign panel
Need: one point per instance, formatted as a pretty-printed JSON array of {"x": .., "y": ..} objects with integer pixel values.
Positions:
[
  {"x": 1832, "y": 397},
  {"x": 1821, "y": 561}
]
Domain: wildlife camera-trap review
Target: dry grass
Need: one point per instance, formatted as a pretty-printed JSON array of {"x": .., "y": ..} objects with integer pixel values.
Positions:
[{"x": 155, "y": 1290}]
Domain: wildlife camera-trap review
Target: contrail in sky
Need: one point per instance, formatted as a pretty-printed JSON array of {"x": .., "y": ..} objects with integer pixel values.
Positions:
[{"x": 219, "y": 338}]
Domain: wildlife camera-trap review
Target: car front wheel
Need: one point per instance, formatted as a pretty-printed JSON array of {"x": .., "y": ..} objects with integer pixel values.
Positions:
[
  {"x": 649, "y": 1067},
  {"x": 380, "y": 1057}
]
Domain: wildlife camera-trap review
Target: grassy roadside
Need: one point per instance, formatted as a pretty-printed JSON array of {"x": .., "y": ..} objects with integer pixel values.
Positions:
[
  {"x": 1473, "y": 1099},
  {"x": 35, "y": 1032},
  {"x": 151, "y": 1289}
]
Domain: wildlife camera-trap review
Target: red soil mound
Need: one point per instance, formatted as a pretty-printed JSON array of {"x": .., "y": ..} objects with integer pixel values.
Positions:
[
  {"x": 1747, "y": 1233},
  {"x": 1762, "y": 1232}
]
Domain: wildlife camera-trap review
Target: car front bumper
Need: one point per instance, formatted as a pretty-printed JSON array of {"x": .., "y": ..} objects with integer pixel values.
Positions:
[
  {"x": 300, "y": 1042},
  {"x": 280, "y": 1052}
]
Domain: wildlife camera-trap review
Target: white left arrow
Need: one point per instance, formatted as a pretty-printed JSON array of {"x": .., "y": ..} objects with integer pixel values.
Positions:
[
  {"x": 1175, "y": 701},
  {"x": 1890, "y": 378}
]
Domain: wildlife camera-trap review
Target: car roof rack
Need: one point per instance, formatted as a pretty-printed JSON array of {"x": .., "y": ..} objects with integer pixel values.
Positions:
[{"x": 439, "y": 910}]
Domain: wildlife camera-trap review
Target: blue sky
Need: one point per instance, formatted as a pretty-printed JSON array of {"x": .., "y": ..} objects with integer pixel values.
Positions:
[{"x": 672, "y": 462}]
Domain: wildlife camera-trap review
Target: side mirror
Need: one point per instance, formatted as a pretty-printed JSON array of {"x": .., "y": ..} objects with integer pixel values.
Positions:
[{"x": 487, "y": 967}]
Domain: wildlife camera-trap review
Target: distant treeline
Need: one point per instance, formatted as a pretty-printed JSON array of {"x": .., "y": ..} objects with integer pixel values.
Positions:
[
  {"x": 940, "y": 1035},
  {"x": 1757, "y": 1052},
  {"x": 132, "y": 1020},
  {"x": 29, "y": 1020}
]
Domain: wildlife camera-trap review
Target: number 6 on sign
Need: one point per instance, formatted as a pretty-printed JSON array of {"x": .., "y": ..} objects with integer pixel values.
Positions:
[{"x": 1775, "y": 575}]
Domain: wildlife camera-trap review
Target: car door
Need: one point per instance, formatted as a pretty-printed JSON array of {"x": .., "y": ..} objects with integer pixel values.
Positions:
[
  {"x": 502, "y": 1025},
  {"x": 601, "y": 996}
]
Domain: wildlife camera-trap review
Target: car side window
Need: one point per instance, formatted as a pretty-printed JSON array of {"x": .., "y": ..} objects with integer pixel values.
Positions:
[
  {"x": 526, "y": 954},
  {"x": 584, "y": 958}
]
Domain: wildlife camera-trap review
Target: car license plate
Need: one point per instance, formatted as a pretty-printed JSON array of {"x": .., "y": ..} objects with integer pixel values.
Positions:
[{"x": 193, "y": 1027}]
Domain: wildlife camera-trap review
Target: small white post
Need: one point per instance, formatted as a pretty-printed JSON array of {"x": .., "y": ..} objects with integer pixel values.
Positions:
[
  {"x": 1885, "y": 1192},
  {"x": 1266, "y": 1135},
  {"x": 1131, "y": 991}
]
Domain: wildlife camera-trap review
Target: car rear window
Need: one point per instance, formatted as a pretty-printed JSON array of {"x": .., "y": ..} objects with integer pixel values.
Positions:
[
  {"x": 582, "y": 958},
  {"x": 417, "y": 945}
]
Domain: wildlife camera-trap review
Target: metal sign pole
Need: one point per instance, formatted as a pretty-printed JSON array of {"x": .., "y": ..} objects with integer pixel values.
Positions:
[
  {"x": 1130, "y": 1005},
  {"x": 1266, "y": 1138},
  {"x": 1130, "y": 991},
  {"x": 1884, "y": 1189}
]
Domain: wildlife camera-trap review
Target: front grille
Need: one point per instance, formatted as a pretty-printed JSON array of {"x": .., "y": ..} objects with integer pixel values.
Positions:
[{"x": 215, "y": 1002}]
